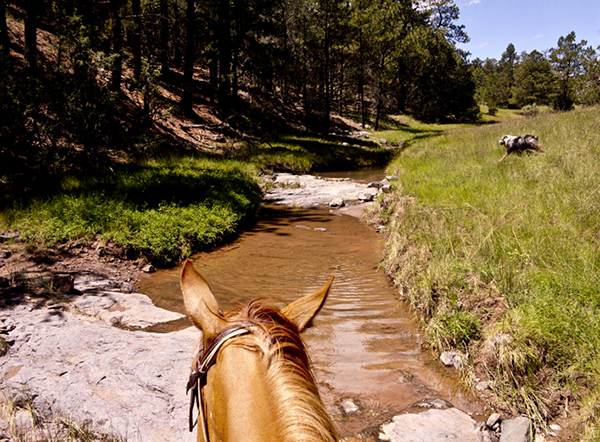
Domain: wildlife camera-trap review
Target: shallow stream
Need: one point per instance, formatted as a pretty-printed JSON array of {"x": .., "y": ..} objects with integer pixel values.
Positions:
[{"x": 365, "y": 345}]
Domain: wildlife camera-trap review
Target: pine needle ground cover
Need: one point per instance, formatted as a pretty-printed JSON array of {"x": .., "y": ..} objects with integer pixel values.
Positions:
[{"x": 502, "y": 260}]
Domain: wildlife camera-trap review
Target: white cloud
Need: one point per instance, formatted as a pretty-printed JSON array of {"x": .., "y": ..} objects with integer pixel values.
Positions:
[{"x": 474, "y": 2}]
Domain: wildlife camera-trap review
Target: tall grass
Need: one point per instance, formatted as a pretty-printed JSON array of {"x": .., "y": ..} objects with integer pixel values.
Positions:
[
  {"x": 515, "y": 243},
  {"x": 165, "y": 209}
]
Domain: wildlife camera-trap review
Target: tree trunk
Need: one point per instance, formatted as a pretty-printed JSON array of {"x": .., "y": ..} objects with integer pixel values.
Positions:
[
  {"x": 31, "y": 23},
  {"x": 189, "y": 57},
  {"x": 146, "y": 98},
  {"x": 224, "y": 48},
  {"x": 136, "y": 9},
  {"x": 306, "y": 105},
  {"x": 213, "y": 74},
  {"x": 4, "y": 40},
  {"x": 326, "y": 74},
  {"x": 117, "y": 46},
  {"x": 234, "y": 76},
  {"x": 164, "y": 38},
  {"x": 286, "y": 60},
  {"x": 361, "y": 81},
  {"x": 379, "y": 100},
  {"x": 380, "y": 91},
  {"x": 341, "y": 86}
]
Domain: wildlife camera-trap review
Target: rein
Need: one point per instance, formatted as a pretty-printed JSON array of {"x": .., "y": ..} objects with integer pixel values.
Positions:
[{"x": 202, "y": 362}]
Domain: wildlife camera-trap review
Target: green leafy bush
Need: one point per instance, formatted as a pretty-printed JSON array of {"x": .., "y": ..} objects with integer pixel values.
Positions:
[{"x": 531, "y": 110}]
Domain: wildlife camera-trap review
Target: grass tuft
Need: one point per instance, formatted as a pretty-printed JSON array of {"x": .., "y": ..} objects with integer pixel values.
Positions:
[{"x": 26, "y": 423}]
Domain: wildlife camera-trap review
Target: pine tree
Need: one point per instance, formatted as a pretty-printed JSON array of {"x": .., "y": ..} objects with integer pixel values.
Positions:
[
  {"x": 189, "y": 57},
  {"x": 117, "y": 45},
  {"x": 588, "y": 83},
  {"x": 533, "y": 80},
  {"x": 506, "y": 75},
  {"x": 136, "y": 49},
  {"x": 32, "y": 9},
  {"x": 4, "y": 40},
  {"x": 566, "y": 61},
  {"x": 442, "y": 15}
]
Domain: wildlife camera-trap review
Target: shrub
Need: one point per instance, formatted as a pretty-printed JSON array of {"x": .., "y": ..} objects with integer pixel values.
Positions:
[{"x": 531, "y": 110}]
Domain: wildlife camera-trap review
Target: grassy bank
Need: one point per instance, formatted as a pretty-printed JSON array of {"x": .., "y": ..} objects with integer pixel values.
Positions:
[
  {"x": 502, "y": 260},
  {"x": 303, "y": 154},
  {"x": 165, "y": 209}
]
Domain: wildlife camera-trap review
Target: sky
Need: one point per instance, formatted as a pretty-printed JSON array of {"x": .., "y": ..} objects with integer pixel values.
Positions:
[{"x": 527, "y": 24}]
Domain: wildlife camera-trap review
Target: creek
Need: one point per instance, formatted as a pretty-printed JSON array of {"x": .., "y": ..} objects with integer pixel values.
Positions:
[{"x": 365, "y": 344}]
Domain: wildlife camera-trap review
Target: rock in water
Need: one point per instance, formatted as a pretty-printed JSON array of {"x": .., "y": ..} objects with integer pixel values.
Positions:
[
  {"x": 451, "y": 358},
  {"x": 338, "y": 202},
  {"x": 450, "y": 425},
  {"x": 516, "y": 430}
]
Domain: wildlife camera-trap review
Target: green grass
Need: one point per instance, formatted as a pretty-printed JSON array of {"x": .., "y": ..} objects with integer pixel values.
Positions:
[
  {"x": 404, "y": 130},
  {"x": 165, "y": 209},
  {"x": 303, "y": 154},
  {"x": 516, "y": 243},
  {"x": 168, "y": 209}
]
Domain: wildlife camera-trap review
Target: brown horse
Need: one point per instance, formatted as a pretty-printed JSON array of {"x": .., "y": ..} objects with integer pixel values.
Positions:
[{"x": 252, "y": 375}]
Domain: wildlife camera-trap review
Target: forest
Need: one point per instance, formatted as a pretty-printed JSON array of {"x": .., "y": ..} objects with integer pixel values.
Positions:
[
  {"x": 560, "y": 77},
  {"x": 65, "y": 74},
  {"x": 70, "y": 70},
  {"x": 86, "y": 85}
]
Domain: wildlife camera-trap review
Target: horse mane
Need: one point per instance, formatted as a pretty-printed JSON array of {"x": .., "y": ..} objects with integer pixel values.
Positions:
[{"x": 300, "y": 411}]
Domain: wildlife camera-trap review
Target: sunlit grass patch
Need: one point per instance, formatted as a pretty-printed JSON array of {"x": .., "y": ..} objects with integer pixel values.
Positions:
[
  {"x": 309, "y": 153},
  {"x": 165, "y": 209},
  {"x": 515, "y": 243},
  {"x": 404, "y": 130}
]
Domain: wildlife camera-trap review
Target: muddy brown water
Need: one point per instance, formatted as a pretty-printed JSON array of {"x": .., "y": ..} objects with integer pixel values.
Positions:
[{"x": 365, "y": 344}]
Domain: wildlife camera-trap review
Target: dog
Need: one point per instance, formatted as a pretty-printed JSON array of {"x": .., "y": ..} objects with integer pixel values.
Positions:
[{"x": 520, "y": 145}]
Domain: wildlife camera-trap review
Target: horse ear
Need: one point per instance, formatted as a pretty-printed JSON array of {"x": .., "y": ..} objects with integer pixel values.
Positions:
[
  {"x": 200, "y": 303},
  {"x": 302, "y": 310}
]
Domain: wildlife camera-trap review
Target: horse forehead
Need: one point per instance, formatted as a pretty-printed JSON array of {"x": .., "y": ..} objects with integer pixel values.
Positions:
[
  {"x": 242, "y": 355},
  {"x": 239, "y": 392}
]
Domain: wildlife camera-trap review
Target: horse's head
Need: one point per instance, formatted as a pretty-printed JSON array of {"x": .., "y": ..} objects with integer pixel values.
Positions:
[{"x": 257, "y": 385}]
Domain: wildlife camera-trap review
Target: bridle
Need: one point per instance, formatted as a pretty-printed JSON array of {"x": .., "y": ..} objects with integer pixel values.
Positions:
[{"x": 202, "y": 362}]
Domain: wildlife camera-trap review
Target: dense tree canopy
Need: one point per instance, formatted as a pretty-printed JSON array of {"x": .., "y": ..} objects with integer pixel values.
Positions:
[
  {"x": 322, "y": 55},
  {"x": 563, "y": 76},
  {"x": 533, "y": 80},
  {"x": 80, "y": 78}
]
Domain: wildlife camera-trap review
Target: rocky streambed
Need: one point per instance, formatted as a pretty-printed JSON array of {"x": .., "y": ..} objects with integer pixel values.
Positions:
[
  {"x": 83, "y": 359},
  {"x": 74, "y": 361}
]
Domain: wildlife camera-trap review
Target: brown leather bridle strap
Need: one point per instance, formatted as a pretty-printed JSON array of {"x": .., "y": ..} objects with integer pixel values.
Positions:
[{"x": 202, "y": 362}]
